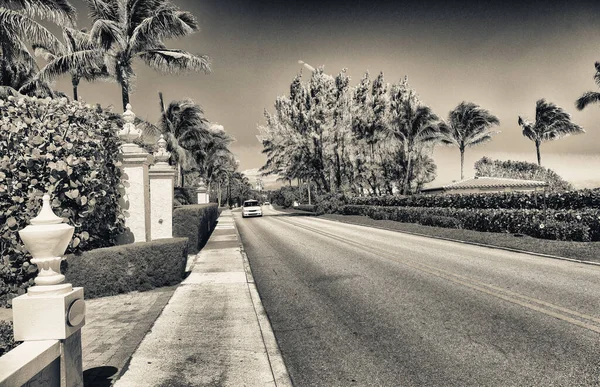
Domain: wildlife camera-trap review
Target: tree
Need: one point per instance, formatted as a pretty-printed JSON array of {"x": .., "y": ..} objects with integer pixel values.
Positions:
[
  {"x": 413, "y": 125},
  {"x": 187, "y": 133},
  {"x": 551, "y": 123},
  {"x": 590, "y": 97},
  {"x": 468, "y": 125},
  {"x": 17, "y": 66},
  {"x": 131, "y": 29},
  {"x": 78, "y": 57}
]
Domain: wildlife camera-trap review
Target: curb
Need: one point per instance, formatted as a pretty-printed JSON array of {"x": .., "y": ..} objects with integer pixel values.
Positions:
[
  {"x": 278, "y": 369},
  {"x": 471, "y": 243}
]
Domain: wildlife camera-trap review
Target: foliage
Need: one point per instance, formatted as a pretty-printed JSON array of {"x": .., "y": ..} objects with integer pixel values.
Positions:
[
  {"x": 306, "y": 207},
  {"x": 196, "y": 223},
  {"x": 590, "y": 97},
  {"x": 521, "y": 170},
  {"x": 18, "y": 68},
  {"x": 132, "y": 267},
  {"x": 7, "y": 339},
  {"x": 373, "y": 138},
  {"x": 286, "y": 196},
  {"x": 570, "y": 225},
  {"x": 330, "y": 203},
  {"x": 572, "y": 200},
  {"x": 128, "y": 30},
  {"x": 468, "y": 125},
  {"x": 69, "y": 150},
  {"x": 551, "y": 123}
]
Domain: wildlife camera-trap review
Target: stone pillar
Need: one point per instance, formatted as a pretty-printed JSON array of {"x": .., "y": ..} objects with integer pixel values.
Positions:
[
  {"x": 135, "y": 162},
  {"x": 202, "y": 192},
  {"x": 51, "y": 310},
  {"x": 162, "y": 177}
]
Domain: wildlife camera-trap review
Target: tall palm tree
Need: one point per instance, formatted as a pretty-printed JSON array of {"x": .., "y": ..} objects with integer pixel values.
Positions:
[
  {"x": 78, "y": 57},
  {"x": 17, "y": 27},
  {"x": 413, "y": 125},
  {"x": 551, "y": 123},
  {"x": 130, "y": 29},
  {"x": 186, "y": 130},
  {"x": 468, "y": 125},
  {"x": 590, "y": 96}
]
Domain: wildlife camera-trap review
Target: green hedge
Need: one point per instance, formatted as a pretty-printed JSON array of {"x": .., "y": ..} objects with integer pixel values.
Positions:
[
  {"x": 572, "y": 200},
  {"x": 121, "y": 269},
  {"x": 69, "y": 149},
  {"x": 7, "y": 340},
  {"x": 570, "y": 225},
  {"x": 195, "y": 222},
  {"x": 305, "y": 207}
]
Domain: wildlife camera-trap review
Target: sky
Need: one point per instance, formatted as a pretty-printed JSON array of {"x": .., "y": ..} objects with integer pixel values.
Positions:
[{"x": 502, "y": 55}]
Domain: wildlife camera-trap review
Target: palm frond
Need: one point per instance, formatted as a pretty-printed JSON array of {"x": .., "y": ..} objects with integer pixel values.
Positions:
[
  {"x": 587, "y": 99},
  {"x": 43, "y": 52},
  {"x": 165, "y": 24},
  {"x": 175, "y": 61},
  {"x": 85, "y": 64},
  {"x": 104, "y": 10},
  {"x": 58, "y": 11},
  {"x": 18, "y": 24},
  {"x": 106, "y": 33},
  {"x": 78, "y": 40}
]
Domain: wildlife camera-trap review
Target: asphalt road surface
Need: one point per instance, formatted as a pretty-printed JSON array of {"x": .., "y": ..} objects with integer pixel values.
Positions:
[{"x": 357, "y": 306}]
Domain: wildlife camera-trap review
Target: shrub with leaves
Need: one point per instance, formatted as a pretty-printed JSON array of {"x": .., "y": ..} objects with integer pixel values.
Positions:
[
  {"x": 568, "y": 225},
  {"x": 521, "y": 170},
  {"x": 571, "y": 200},
  {"x": 69, "y": 150}
]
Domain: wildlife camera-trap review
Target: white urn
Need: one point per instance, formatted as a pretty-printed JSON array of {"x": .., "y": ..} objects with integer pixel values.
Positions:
[{"x": 47, "y": 238}]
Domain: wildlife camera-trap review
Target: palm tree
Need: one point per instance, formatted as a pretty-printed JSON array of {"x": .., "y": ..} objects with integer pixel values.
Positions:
[
  {"x": 131, "y": 29},
  {"x": 551, "y": 123},
  {"x": 17, "y": 65},
  {"x": 468, "y": 125},
  {"x": 590, "y": 96},
  {"x": 413, "y": 125},
  {"x": 78, "y": 57},
  {"x": 186, "y": 130}
]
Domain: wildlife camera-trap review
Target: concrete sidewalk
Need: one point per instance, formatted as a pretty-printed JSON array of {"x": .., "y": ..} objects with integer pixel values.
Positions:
[{"x": 213, "y": 331}]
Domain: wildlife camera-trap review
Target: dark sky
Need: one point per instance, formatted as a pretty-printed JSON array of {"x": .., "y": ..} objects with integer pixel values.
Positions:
[{"x": 503, "y": 55}]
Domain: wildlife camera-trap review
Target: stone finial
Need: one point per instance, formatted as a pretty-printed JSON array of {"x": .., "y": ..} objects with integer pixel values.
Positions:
[
  {"x": 129, "y": 131},
  {"x": 161, "y": 156},
  {"x": 47, "y": 238}
]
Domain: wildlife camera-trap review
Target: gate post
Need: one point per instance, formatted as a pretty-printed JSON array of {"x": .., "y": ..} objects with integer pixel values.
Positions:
[
  {"x": 52, "y": 309},
  {"x": 135, "y": 161},
  {"x": 162, "y": 177},
  {"x": 202, "y": 192}
]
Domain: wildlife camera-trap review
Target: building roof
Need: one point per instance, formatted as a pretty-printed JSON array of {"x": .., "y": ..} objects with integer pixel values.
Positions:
[{"x": 489, "y": 182}]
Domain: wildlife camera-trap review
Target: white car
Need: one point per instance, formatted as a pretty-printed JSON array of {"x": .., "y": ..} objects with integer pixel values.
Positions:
[{"x": 251, "y": 208}]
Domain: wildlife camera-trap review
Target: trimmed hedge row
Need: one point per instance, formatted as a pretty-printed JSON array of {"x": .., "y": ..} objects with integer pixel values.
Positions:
[
  {"x": 571, "y": 200},
  {"x": 121, "y": 269},
  {"x": 306, "y": 207},
  {"x": 571, "y": 225},
  {"x": 195, "y": 222}
]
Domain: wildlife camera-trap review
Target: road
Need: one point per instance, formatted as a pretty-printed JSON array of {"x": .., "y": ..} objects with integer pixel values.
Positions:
[{"x": 357, "y": 306}]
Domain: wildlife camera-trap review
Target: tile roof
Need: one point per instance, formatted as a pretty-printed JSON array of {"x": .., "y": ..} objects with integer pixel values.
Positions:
[{"x": 493, "y": 182}]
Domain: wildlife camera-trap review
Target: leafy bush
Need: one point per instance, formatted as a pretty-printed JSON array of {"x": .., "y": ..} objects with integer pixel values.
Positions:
[
  {"x": 7, "y": 340},
  {"x": 570, "y": 225},
  {"x": 121, "y": 269},
  {"x": 521, "y": 170},
  {"x": 580, "y": 199},
  {"x": 286, "y": 196},
  {"x": 331, "y": 203},
  {"x": 306, "y": 207},
  {"x": 440, "y": 221},
  {"x": 196, "y": 223},
  {"x": 61, "y": 147}
]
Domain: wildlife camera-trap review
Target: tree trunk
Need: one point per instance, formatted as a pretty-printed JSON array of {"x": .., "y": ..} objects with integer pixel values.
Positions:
[
  {"x": 406, "y": 175},
  {"x": 219, "y": 194},
  {"x": 308, "y": 185},
  {"x": 125, "y": 93},
  {"x": 537, "y": 148},
  {"x": 462, "y": 164},
  {"x": 75, "y": 83}
]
